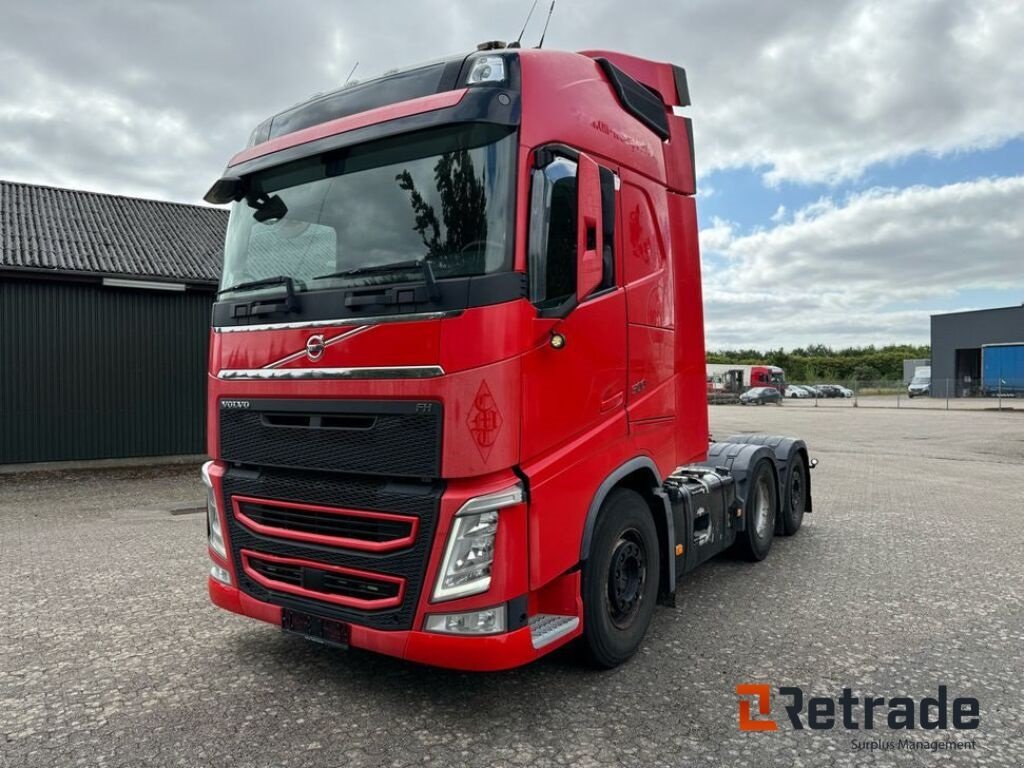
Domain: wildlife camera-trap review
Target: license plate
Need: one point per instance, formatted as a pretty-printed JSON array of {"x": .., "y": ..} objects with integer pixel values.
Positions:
[{"x": 315, "y": 628}]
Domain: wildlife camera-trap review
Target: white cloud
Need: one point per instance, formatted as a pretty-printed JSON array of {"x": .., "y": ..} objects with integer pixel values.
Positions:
[
  {"x": 802, "y": 90},
  {"x": 153, "y": 99},
  {"x": 836, "y": 271}
]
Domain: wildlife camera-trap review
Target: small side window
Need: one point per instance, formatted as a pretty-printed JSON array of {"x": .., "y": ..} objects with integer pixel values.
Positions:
[
  {"x": 608, "y": 224},
  {"x": 553, "y": 233}
]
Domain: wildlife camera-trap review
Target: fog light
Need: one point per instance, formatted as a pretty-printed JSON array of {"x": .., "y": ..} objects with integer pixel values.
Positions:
[
  {"x": 489, "y": 621},
  {"x": 220, "y": 574}
]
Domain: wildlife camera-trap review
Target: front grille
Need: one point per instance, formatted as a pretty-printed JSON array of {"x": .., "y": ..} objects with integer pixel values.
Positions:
[
  {"x": 419, "y": 500},
  {"x": 289, "y": 574},
  {"x": 330, "y": 526},
  {"x": 335, "y": 585},
  {"x": 396, "y": 438}
]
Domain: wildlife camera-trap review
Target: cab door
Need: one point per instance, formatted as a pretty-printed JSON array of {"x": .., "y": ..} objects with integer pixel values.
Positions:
[{"x": 574, "y": 376}]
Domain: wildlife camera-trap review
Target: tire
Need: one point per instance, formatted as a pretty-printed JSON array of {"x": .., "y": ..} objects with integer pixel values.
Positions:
[
  {"x": 795, "y": 493},
  {"x": 620, "y": 579},
  {"x": 761, "y": 509}
]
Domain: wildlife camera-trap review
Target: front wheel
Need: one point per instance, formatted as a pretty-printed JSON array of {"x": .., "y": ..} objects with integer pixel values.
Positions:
[{"x": 620, "y": 579}]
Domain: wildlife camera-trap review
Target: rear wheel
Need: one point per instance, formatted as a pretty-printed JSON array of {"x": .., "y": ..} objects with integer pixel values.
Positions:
[
  {"x": 620, "y": 579},
  {"x": 795, "y": 494},
  {"x": 761, "y": 509}
]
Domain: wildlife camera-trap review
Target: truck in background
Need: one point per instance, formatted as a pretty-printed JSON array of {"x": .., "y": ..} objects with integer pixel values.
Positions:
[
  {"x": 457, "y": 407},
  {"x": 921, "y": 384},
  {"x": 1002, "y": 369},
  {"x": 726, "y": 377}
]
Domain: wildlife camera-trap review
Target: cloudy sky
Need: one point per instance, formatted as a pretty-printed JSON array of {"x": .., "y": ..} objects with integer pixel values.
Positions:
[{"x": 861, "y": 162}]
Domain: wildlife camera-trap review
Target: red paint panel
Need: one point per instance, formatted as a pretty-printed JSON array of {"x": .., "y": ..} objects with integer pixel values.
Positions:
[
  {"x": 324, "y": 539},
  {"x": 484, "y": 335},
  {"x": 571, "y": 390},
  {"x": 651, "y": 373},
  {"x": 646, "y": 268},
  {"x": 562, "y": 485},
  {"x": 351, "y": 122},
  {"x": 691, "y": 371},
  {"x": 566, "y": 98},
  {"x": 387, "y": 344},
  {"x": 351, "y": 602},
  {"x": 678, "y": 162}
]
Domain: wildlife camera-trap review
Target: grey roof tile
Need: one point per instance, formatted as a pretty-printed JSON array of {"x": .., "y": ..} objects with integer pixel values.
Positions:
[{"x": 67, "y": 230}]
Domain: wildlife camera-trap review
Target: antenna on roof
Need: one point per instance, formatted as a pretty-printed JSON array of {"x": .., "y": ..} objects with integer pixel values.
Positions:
[
  {"x": 352, "y": 72},
  {"x": 530, "y": 14},
  {"x": 545, "y": 31}
]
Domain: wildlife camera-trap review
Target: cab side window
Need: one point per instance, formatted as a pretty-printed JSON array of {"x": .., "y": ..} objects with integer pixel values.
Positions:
[{"x": 553, "y": 232}]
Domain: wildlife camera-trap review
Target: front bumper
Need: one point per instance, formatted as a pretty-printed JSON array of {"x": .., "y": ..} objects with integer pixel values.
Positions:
[{"x": 486, "y": 653}]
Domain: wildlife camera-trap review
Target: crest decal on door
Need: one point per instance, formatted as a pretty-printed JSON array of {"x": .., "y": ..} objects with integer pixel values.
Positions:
[{"x": 484, "y": 421}]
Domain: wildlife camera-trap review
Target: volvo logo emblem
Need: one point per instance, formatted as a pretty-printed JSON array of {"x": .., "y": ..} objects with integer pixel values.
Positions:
[{"x": 315, "y": 347}]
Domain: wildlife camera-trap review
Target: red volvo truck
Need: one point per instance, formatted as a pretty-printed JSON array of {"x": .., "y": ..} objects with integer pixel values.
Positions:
[{"x": 457, "y": 379}]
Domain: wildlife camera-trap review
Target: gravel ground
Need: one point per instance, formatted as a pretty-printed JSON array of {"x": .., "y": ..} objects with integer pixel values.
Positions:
[{"x": 909, "y": 574}]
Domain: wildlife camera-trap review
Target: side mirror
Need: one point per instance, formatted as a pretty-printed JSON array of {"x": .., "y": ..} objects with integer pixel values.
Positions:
[{"x": 589, "y": 235}]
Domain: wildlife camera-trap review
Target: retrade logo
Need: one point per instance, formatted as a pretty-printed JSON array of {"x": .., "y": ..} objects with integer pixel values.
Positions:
[
  {"x": 761, "y": 694},
  {"x": 851, "y": 712}
]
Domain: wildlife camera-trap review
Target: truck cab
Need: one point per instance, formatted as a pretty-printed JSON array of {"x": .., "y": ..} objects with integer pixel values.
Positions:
[{"x": 461, "y": 320}]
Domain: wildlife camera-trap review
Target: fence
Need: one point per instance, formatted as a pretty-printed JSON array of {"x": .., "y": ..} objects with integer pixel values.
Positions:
[{"x": 942, "y": 394}]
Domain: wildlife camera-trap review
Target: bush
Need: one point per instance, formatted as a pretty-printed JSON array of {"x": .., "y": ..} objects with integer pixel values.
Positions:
[{"x": 821, "y": 363}]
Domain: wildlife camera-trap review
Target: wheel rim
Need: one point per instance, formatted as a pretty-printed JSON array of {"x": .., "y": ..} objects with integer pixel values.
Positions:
[
  {"x": 627, "y": 575},
  {"x": 762, "y": 508},
  {"x": 796, "y": 490}
]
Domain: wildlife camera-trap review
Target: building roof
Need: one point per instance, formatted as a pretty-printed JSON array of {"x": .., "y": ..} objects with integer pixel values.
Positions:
[
  {"x": 67, "y": 231},
  {"x": 1012, "y": 308}
]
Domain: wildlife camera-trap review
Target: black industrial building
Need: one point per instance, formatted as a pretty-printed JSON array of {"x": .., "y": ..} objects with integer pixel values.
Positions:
[
  {"x": 957, "y": 339},
  {"x": 104, "y": 324}
]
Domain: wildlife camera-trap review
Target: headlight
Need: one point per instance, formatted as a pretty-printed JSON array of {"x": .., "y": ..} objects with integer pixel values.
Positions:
[
  {"x": 213, "y": 529},
  {"x": 487, "y": 69},
  {"x": 469, "y": 553}
]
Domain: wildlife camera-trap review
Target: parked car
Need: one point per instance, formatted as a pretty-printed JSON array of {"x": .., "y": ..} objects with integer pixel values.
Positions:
[
  {"x": 760, "y": 396},
  {"x": 827, "y": 390},
  {"x": 799, "y": 390},
  {"x": 919, "y": 385},
  {"x": 844, "y": 391}
]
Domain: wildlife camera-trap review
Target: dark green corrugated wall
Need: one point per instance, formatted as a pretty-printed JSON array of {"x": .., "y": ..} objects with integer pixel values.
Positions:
[{"x": 88, "y": 372}]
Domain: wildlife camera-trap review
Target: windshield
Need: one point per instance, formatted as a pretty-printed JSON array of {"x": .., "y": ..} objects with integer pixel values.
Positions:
[
  {"x": 443, "y": 196},
  {"x": 778, "y": 378}
]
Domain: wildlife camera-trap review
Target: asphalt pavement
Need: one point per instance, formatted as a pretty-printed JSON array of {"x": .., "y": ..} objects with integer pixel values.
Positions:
[{"x": 908, "y": 575}]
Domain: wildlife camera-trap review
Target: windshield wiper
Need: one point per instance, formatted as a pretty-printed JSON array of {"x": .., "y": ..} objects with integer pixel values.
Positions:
[
  {"x": 266, "y": 282},
  {"x": 399, "y": 266},
  {"x": 260, "y": 307}
]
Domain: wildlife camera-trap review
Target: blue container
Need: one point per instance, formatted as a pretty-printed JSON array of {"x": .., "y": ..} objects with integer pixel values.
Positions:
[{"x": 1002, "y": 369}]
